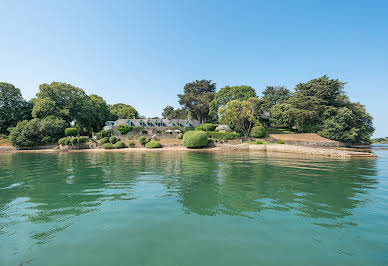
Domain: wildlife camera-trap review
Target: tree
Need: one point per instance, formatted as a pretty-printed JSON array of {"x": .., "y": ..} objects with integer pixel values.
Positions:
[
  {"x": 99, "y": 113},
  {"x": 350, "y": 124},
  {"x": 170, "y": 113},
  {"x": 227, "y": 94},
  {"x": 63, "y": 100},
  {"x": 197, "y": 97},
  {"x": 273, "y": 95},
  {"x": 122, "y": 111},
  {"x": 238, "y": 116},
  {"x": 29, "y": 133},
  {"x": 13, "y": 108}
]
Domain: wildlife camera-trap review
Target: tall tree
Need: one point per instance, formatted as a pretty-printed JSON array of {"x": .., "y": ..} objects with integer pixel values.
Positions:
[
  {"x": 197, "y": 97},
  {"x": 171, "y": 113},
  {"x": 13, "y": 108},
  {"x": 97, "y": 115},
  {"x": 273, "y": 95},
  {"x": 122, "y": 111},
  {"x": 227, "y": 94},
  {"x": 239, "y": 116}
]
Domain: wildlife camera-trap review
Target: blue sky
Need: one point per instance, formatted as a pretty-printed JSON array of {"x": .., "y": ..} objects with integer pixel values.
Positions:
[{"x": 143, "y": 52}]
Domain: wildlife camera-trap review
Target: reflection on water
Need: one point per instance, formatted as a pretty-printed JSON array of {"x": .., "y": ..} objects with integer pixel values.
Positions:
[{"x": 43, "y": 195}]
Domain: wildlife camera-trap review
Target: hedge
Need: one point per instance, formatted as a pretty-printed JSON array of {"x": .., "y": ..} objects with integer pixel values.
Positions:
[
  {"x": 222, "y": 135},
  {"x": 119, "y": 145},
  {"x": 113, "y": 139},
  {"x": 124, "y": 129},
  {"x": 73, "y": 141},
  {"x": 104, "y": 140},
  {"x": 257, "y": 132},
  {"x": 195, "y": 139},
  {"x": 108, "y": 146},
  {"x": 207, "y": 127},
  {"x": 71, "y": 131},
  {"x": 153, "y": 144}
]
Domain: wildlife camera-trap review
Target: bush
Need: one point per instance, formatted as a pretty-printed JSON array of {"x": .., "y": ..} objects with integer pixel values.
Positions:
[
  {"x": 105, "y": 133},
  {"x": 98, "y": 135},
  {"x": 207, "y": 127},
  {"x": 153, "y": 144},
  {"x": 131, "y": 144},
  {"x": 259, "y": 142},
  {"x": 142, "y": 140},
  {"x": 104, "y": 140},
  {"x": 280, "y": 142},
  {"x": 48, "y": 139},
  {"x": 113, "y": 139},
  {"x": 71, "y": 132},
  {"x": 257, "y": 131},
  {"x": 210, "y": 141},
  {"x": 195, "y": 139},
  {"x": 119, "y": 145},
  {"x": 222, "y": 135},
  {"x": 124, "y": 129},
  {"x": 82, "y": 140},
  {"x": 74, "y": 141},
  {"x": 67, "y": 141},
  {"x": 61, "y": 141},
  {"x": 108, "y": 146},
  {"x": 179, "y": 136}
]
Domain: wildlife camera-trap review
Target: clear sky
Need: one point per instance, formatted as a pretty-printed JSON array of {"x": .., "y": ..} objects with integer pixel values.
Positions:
[{"x": 143, "y": 52}]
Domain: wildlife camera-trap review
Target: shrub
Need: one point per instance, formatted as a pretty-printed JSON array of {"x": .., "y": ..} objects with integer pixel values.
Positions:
[
  {"x": 124, "y": 129},
  {"x": 74, "y": 141},
  {"x": 108, "y": 146},
  {"x": 142, "y": 140},
  {"x": 153, "y": 144},
  {"x": 67, "y": 141},
  {"x": 195, "y": 139},
  {"x": 210, "y": 141},
  {"x": 207, "y": 127},
  {"x": 119, "y": 145},
  {"x": 48, "y": 139},
  {"x": 280, "y": 142},
  {"x": 131, "y": 144},
  {"x": 61, "y": 141},
  {"x": 104, "y": 140},
  {"x": 179, "y": 136},
  {"x": 259, "y": 142},
  {"x": 82, "y": 140},
  {"x": 98, "y": 135},
  {"x": 71, "y": 132},
  {"x": 257, "y": 131},
  {"x": 113, "y": 139},
  {"x": 105, "y": 133},
  {"x": 222, "y": 135}
]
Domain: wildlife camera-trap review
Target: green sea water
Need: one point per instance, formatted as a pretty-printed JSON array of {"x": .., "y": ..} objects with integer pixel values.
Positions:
[{"x": 189, "y": 208}]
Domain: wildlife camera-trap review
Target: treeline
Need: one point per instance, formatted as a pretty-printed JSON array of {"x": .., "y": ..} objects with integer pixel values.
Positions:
[
  {"x": 380, "y": 140},
  {"x": 317, "y": 106},
  {"x": 43, "y": 119}
]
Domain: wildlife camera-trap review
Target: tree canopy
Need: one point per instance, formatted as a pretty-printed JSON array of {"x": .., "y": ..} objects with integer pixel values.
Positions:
[
  {"x": 123, "y": 111},
  {"x": 171, "y": 113},
  {"x": 274, "y": 95},
  {"x": 227, "y": 94},
  {"x": 13, "y": 108},
  {"x": 197, "y": 97}
]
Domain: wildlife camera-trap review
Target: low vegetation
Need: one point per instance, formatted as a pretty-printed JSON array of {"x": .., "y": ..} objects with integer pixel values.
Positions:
[
  {"x": 257, "y": 131},
  {"x": 222, "y": 135},
  {"x": 73, "y": 141},
  {"x": 195, "y": 139},
  {"x": 153, "y": 144}
]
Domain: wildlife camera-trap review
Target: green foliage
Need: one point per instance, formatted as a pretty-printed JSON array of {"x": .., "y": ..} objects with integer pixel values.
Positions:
[
  {"x": 48, "y": 140},
  {"x": 153, "y": 144},
  {"x": 74, "y": 141},
  {"x": 259, "y": 142},
  {"x": 380, "y": 140},
  {"x": 257, "y": 131},
  {"x": 29, "y": 133},
  {"x": 222, "y": 135},
  {"x": 142, "y": 140},
  {"x": 171, "y": 113},
  {"x": 239, "y": 116},
  {"x": 108, "y": 146},
  {"x": 195, "y": 139},
  {"x": 179, "y": 136},
  {"x": 131, "y": 144},
  {"x": 280, "y": 142},
  {"x": 210, "y": 142},
  {"x": 122, "y": 111},
  {"x": 197, "y": 97},
  {"x": 104, "y": 140},
  {"x": 98, "y": 135},
  {"x": 274, "y": 95},
  {"x": 105, "y": 133},
  {"x": 119, "y": 145},
  {"x": 124, "y": 129},
  {"x": 13, "y": 108},
  {"x": 227, "y": 94},
  {"x": 113, "y": 139},
  {"x": 71, "y": 131},
  {"x": 207, "y": 127}
]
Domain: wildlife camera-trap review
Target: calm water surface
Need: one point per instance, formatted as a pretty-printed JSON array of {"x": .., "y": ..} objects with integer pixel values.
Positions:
[{"x": 192, "y": 209}]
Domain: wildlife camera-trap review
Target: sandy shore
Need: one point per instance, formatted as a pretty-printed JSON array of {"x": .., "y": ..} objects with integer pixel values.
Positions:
[{"x": 268, "y": 148}]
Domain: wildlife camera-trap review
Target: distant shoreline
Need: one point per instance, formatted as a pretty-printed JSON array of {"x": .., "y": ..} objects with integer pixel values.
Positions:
[{"x": 269, "y": 148}]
